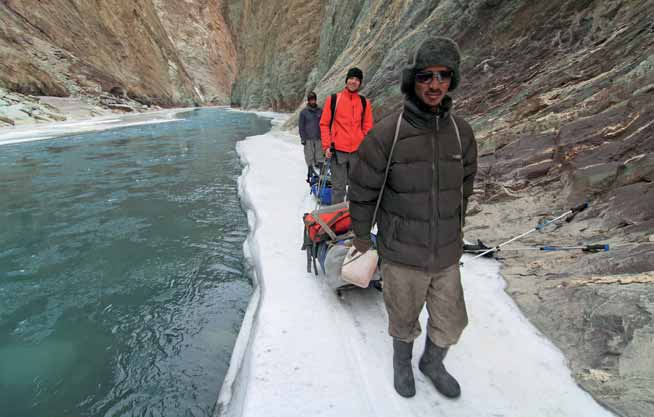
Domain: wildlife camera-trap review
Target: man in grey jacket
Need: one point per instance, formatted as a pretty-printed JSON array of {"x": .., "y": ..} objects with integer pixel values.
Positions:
[
  {"x": 421, "y": 214},
  {"x": 309, "y": 125}
]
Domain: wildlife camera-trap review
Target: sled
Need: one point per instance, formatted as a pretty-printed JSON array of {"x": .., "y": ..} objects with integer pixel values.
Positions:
[
  {"x": 320, "y": 185},
  {"x": 376, "y": 284},
  {"x": 327, "y": 238},
  {"x": 321, "y": 192}
]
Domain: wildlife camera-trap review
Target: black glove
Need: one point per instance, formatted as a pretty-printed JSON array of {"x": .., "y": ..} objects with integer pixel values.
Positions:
[
  {"x": 361, "y": 245},
  {"x": 303, "y": 142}
]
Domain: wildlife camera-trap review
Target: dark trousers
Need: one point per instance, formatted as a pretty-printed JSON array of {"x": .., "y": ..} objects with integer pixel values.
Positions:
[
  {"x": 341, "y": 165},
  {"x": 313, "y": 154}
]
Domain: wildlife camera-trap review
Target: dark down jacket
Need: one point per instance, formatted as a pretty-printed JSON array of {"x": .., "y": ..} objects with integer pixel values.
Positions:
[{"x": 430, "y": 180}]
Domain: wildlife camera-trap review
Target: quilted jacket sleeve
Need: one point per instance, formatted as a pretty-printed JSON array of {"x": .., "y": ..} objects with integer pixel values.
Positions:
[{"x": 366, "y": 179}]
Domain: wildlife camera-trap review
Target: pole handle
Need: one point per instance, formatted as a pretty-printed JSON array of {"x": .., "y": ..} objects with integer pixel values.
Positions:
[
  {"x": 600, "y": 247},
  {"x": 332, "y": 148},
  {"x": 575, "y": 210},
  {"x": 581, "y": 207}
]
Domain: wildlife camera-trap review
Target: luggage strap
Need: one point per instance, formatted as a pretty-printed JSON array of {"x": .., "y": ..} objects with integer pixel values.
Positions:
[
  {"x": 314, "y": 255},
  {"x": 326, "y": 227}
]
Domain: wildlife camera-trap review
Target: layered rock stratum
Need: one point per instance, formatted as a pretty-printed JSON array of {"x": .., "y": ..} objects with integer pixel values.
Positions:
[
  {"x": 560, "y": 94},
  {"x": 154, "y": 52}
]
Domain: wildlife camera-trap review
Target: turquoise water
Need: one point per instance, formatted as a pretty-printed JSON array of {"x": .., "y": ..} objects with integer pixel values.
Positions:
[{"x": 122, "y": 284}]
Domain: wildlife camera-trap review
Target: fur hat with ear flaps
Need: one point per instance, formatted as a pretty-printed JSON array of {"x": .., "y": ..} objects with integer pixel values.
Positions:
[{"x": 432, "y": 51}]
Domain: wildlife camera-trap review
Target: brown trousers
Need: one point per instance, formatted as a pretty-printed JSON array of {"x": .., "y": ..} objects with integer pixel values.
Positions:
[{"x": 406, "y": 291}]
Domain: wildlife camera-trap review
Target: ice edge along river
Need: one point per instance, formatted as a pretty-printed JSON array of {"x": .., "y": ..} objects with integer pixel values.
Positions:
[{"x": 301, "y": 351}]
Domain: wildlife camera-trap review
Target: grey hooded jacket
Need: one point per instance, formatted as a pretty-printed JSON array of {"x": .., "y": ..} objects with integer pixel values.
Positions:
[{"x": 309, "y": 123}]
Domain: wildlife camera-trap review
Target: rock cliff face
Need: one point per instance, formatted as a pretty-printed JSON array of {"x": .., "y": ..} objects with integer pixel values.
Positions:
[
  {"x": 560, "y": 94},
  {"x": 277, "y": 43},
  {"x": 203, "y": 43},
  {"x": 165, "y": 53}
]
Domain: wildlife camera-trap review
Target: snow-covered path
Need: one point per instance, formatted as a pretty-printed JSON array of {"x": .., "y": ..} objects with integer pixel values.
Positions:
[{"x": 305, "y": 352}]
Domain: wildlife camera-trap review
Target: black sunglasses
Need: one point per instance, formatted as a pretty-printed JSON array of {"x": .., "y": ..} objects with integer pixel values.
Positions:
[{"x": 426, "y": 77}]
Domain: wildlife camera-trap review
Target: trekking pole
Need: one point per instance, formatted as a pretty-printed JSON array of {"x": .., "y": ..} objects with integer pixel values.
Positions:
[
  {"x": 599, "y": 247},
  {"x": 592, "y": 248},
  {"x": 332, "y": 148},
  {"x": 572, "y": 213}
]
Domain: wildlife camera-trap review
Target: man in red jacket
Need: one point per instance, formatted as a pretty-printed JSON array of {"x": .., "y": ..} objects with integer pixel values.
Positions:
[{"x": 343, "y": 125}]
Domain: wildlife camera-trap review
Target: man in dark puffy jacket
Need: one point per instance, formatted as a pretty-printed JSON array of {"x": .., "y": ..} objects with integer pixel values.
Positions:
[
  {"x": 309, "y": 126},
  {"x": 421, "y": 214}
]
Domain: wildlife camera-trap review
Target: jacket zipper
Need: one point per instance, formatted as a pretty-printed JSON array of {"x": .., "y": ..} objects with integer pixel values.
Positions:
[{"x": 434, "y": 190}]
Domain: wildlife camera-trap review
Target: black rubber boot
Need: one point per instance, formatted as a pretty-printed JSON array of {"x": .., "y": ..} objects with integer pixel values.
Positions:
[
  {"x": 403, "y": 380},
  {"x": 309, "y": 174},
  {"x": 431, "y": 364}
]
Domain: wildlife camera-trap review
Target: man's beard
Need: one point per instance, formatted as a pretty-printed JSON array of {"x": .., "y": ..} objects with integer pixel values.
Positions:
[
  {"x": 314, "y": 105},
  {"x": 422, "y": 105}
]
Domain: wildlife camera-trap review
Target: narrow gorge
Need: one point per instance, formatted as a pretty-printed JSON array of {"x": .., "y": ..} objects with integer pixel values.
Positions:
[{"x": 560, "y": 95}]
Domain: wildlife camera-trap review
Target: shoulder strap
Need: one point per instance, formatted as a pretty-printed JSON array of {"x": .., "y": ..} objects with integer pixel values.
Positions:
[
  {"x": 458, "y": 137},
  {"x": 332, "y": 106},
  {"x": 364, "y": 104},
  {"x": 388, "y": 167}
]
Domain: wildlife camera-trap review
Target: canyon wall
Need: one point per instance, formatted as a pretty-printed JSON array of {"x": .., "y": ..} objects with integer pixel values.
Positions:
[{"x": 155, "y": 52}]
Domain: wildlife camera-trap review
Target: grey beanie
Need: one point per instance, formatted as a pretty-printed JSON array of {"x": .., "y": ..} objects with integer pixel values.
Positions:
[{"x": 432, "y": 51}]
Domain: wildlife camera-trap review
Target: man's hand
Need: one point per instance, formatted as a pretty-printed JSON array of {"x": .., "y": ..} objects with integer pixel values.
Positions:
[
  {"x": 328, "y": 153},
  {"x": 303, "y": 142},
  {"x": 361, "y": 245}
]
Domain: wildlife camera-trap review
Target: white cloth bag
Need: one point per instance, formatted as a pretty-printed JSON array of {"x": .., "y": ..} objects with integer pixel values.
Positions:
[{"x": 358, "y": 268}]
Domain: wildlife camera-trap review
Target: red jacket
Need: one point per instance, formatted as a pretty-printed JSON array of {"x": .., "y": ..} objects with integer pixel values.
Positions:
[{"x": 348, "y": 129}]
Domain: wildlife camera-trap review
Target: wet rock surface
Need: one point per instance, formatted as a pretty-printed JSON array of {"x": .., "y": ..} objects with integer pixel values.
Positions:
[{"x": 18, "y": 109}]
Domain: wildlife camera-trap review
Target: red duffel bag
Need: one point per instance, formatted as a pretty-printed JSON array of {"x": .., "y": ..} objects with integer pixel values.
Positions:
[{"x": 328, "y": 222}]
